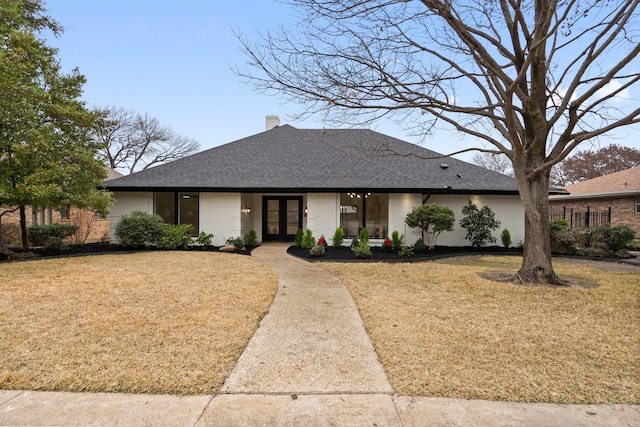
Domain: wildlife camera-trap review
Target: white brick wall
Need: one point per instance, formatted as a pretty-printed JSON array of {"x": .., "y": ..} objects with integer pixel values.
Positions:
[
  {"x": 508, "y": 210},
  {"x": 323, "y": 214},
  {"x": 220, "y": 215},
  {"x": 127, "y": 202},
  {"x": 399, "y": 206}
]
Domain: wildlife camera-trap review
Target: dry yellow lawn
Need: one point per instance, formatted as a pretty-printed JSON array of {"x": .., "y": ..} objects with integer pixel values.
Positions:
[
  {"x": 442, "y": 331},
  {"x": 161, "y": 322}
]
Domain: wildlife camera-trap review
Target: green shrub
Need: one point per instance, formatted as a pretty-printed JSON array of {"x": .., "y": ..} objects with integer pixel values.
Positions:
[
  {"x": 562, "y": 238},
  {"x": 354, "y": 243},
  {"x": 479, "y": 223},
  {"x": 338, "y": 237},
  {"x": 419, "y": 246},
  {"x": 432, "y": 219},
  {"x": 506, "y": 238},
  {"x": 297, "y": 241},
  {"x": 617, "y": 238},
  {"x": 10, "y": 234},
  {"x": 317, "y": 250},
  {"x": 56, "y": 245},
  {"x": 175, "y": 236},
  {"x": 405, "y": 252},
  {"x": 237, "y": 243},
  {"x": 251, "y": 239},
  {"x": 41, "y": 235},
  {"x": 364, "y": 235},
  {"x": 397, "y": 240},
  {"x": 204, "y": 239},
  {"x": 308, "y": 241},
  {"x": 139, "y": 228},
  {"x": 361, "y": 250}
]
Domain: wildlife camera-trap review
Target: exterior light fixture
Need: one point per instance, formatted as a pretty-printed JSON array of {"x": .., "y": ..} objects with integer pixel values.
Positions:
[{"x": 246, "y": 209}]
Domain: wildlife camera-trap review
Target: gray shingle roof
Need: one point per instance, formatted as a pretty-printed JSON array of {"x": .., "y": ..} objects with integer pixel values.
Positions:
[{"x": 290, "y": 159}]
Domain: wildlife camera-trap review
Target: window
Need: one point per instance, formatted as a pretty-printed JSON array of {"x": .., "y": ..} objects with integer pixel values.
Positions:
[
  {"x": 179, "y": 208},
  {"x": 64, "y": 213},
  {"x": 41, "y": 215},
  {"x": 638, "y": 204},
  {"x": 370, "y": 210}
]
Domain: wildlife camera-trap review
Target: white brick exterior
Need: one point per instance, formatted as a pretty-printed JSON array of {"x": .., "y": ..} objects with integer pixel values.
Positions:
[
  {"x": 323, "y": 214},
  {"x": 508, "y": 209},
  {"x": 399, "y": 206},
  {"x": 220, "y": 215},
  {"x": 126, "y": 203}
]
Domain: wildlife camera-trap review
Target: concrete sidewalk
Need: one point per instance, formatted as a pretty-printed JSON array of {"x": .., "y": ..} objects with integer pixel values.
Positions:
[{"x": 310, "y": 363}]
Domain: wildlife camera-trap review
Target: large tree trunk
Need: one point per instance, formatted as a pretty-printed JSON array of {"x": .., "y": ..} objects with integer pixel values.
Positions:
[
  {"x": 536, "y": 263},
  {"x": 23, "y": 227}
]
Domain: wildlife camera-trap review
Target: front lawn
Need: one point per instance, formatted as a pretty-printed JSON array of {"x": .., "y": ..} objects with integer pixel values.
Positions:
[
  {"x": 441, "y": 330},
  {"x": 157, "y": 322}
]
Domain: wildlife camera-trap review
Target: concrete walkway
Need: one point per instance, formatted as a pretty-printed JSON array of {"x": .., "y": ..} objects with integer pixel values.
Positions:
[{"x": 310, "y": 363}]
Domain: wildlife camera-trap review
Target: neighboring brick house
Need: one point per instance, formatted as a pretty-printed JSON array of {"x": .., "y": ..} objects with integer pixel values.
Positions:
[
  {"x": 611, "y": 198},
  {"x": 90, "y": 226}
]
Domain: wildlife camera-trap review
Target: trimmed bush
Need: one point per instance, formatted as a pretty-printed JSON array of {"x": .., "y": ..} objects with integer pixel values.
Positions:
[
  {"x": 617, "y": 238},
  {"x": 479, "y": 223},
  {"x": 139, "y": 228},
  {"x": 317, "y": 250},
  {"x": 251, "y": 239},
  {"x": 236, "y": 242},
  {"x": 364, "y": 235},
  {"x": 338, "y": 237},
  {"x": 419, "y": 246},
  {"x": 562, "y": 239},
  {"x": 432, "y": 219},
  {"x": 175, "y": 236},
  {"x": 397, "y": 240},
  {"x": 204, "y": 239},
  {"x": 506, "y": 238},
  {"x": 405, "y": 252},
  {"x": 41, "y": 235},
  {"x": 297, "y": 241},
  {"x": 308, "y": 241}
]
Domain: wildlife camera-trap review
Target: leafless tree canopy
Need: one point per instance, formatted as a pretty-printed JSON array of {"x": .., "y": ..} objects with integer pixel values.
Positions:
[
  {"x": 136, "y": 142},
  {"x": 494, "y": 162},
  {"x": 533, "y": 78}
]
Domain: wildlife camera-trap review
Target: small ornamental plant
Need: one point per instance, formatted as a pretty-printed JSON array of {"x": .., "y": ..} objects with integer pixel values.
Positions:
[
  {"x": 387, "y": 246},
  {"x": 322, "y": 242},
  {"x": 317, "y": 250}
]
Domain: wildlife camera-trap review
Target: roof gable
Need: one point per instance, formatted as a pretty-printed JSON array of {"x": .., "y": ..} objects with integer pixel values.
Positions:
[{"x": 286, "y": 158}]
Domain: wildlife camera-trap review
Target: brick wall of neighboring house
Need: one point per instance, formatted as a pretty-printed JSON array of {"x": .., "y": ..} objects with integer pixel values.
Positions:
[
  {"x": 94, "y": 228},
  {"x": 623, "y": 209}
]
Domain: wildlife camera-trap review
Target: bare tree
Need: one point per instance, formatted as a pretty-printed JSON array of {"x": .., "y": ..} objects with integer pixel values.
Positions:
[
  {"x": 518, "y": 74},
  {"x": 494, "y": 162},
  {"x": 136, "y": 142}
]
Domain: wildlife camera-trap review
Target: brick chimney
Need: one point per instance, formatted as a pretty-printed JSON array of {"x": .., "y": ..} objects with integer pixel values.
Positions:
[{"x": 272, "y": 122}]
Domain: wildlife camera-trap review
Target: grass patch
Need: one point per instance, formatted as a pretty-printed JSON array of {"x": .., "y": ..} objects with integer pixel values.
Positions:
[
  {"x": 161, "y": 322},
  {"x": 441, "y": 330}
]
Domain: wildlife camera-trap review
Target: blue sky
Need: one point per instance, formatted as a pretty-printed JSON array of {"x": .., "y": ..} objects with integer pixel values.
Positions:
[{"x": 173, "y": 59}]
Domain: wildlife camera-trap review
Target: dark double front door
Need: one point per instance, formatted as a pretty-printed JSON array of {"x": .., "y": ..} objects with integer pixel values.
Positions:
[{"x": 281, "y": 217}]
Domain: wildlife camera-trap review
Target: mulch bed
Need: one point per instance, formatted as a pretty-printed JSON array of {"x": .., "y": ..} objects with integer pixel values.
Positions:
[
  {"x": 377, "y": 254},
  {"x": 102, "y": 248}
]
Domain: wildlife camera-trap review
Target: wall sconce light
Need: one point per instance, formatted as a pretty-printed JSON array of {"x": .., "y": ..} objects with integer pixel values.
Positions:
[
  {"x": 305, "y": 211},
  {"x": 246, "y": 209}
]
